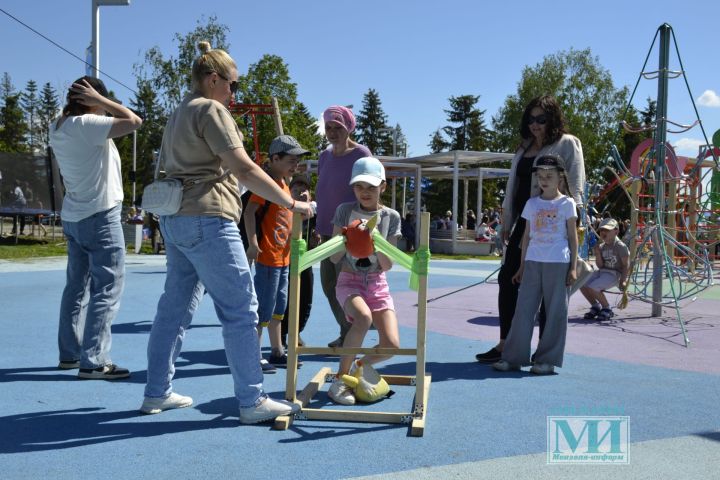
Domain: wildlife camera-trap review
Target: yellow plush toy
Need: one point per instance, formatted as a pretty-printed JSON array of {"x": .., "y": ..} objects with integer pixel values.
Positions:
[{"x": 367, "y": 384}]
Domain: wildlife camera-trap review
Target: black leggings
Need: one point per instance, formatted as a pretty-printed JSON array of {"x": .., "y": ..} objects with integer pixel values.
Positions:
[
  {"x": 306, "y": 295},
  {"x": 508, "y": 291}
]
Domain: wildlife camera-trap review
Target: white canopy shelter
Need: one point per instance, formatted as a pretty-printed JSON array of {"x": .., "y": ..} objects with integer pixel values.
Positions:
[{"x": 465, "y": 165}]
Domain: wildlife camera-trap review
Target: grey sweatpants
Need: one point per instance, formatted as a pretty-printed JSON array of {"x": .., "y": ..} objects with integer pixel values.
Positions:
[{"x": 540, "y": 281}]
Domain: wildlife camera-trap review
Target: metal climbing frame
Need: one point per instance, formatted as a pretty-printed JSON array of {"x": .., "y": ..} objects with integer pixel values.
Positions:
[{"x": 665, "y": 267}]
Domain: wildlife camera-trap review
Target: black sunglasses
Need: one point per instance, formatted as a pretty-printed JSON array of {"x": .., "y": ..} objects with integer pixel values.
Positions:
[
  {"x": 233, "y": 85},
  {"x": 540, "y": 119}
]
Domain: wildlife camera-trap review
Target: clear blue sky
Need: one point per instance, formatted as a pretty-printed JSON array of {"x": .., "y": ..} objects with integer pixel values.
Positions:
[{"x": 414, "y": 53}]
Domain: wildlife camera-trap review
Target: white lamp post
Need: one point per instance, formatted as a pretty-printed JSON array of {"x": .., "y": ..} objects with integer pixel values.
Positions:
[{"x": 95, "y": 43}]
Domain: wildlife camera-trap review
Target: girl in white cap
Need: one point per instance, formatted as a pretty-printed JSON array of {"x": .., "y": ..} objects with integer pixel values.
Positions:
[{"x": 362, "y": 288}]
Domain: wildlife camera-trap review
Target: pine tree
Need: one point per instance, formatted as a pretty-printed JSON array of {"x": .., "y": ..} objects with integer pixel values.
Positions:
[
  {"x": 304, "y": 127},
  {"x": 12, "y": 125},
  {"x": 437, "y": 142},
  {"x": 47, "y": 111},
  {"x": 468, "y": 130},
  {"x": 30, "y": 103},
  {"x": 401, "y": 141},
  {"x": 6, "y": 87},
  {"x": 370, "y": 121},
  {"x": 648, "y": 115},
  {"x": 149, "y": 137}
]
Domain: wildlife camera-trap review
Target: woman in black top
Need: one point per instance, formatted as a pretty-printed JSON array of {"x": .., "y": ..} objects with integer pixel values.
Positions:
[{"x": 543, "y": 132}]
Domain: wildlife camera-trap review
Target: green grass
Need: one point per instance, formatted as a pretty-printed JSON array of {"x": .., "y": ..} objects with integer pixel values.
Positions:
[
  {"x": 443, "y": 256},
  {"x": 32, "y": 247}
]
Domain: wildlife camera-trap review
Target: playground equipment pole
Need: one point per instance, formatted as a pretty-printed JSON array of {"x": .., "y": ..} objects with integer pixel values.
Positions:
[{"x": 660, "y": 137}]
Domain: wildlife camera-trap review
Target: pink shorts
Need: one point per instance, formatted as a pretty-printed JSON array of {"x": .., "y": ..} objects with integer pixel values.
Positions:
[{"x": 372, "y": 288}]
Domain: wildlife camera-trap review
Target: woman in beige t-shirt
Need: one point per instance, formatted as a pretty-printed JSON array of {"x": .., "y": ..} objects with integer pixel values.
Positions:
[{"x": 203, "y": 245}]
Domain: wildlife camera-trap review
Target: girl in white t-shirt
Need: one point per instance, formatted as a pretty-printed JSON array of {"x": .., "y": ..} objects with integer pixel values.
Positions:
[{"x": 547, "y": 269}]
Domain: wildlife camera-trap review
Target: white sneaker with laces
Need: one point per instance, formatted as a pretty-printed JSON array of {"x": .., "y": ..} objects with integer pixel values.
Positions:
[
  {"x": 151, "y": 406},
  {"x": 542, "y": 369},
  {"x": 341, "y": 393},
  {"x": 505, "y": 366},
  {"x": 269, "y": 409}
]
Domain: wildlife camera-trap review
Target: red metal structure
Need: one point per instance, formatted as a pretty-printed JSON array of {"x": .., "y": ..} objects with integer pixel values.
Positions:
[{"x": 253, "y": 110}]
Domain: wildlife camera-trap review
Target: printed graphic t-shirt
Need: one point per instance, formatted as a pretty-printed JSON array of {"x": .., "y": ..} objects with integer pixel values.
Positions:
[
  {"x": 612, "y": 254},
  {"x": 548, "y": 229},
  {"x": 276, "y": 227}
]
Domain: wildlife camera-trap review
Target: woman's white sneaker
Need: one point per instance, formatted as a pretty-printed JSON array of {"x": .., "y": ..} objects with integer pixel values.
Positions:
[
  {"x": 156, "y": 405},
  {"x": 269, "y": 409}
]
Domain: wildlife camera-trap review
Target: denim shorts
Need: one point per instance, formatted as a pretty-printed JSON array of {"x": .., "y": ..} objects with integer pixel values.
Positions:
[
  {"x": 271, "y": 287},
  {"x": 603, "y": 279},
  {"x": 371, "y": 287}
]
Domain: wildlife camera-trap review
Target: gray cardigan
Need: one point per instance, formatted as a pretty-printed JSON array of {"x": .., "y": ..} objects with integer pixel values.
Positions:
[{"x": 570, "y": 149}]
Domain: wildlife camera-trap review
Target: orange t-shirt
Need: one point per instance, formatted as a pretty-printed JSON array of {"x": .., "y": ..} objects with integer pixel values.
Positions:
[{"x": 276, "y": 227}]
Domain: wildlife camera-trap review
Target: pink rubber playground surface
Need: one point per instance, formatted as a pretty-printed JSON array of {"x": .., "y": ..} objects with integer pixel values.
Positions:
[{"x": 633, "y": 335}]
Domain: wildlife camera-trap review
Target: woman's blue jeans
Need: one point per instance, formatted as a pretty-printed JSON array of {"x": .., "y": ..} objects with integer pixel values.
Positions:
[
  {"x": 206, "y": 253},
  {"x": 95, "y": 279}
]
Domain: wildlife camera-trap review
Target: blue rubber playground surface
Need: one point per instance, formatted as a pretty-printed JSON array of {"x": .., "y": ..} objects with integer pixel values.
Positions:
[{"x": 480, "y": 423}]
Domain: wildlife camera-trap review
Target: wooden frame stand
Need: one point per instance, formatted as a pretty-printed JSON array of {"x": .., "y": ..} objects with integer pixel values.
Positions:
[{"x": 421, "y": 380}]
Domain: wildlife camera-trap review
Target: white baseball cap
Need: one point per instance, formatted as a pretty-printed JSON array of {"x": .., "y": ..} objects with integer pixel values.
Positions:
[{"x": 368, "y": 170}]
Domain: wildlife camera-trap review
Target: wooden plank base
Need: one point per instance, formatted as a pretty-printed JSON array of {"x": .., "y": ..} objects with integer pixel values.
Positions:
[
  {"x": 283, "y": 422},
  {"x": 416, "y": 418},
  {"x": 418, "y": 424}
]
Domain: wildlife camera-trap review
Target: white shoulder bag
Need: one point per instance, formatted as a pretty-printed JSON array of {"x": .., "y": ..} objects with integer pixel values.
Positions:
[{"x": 163, "y": 196}]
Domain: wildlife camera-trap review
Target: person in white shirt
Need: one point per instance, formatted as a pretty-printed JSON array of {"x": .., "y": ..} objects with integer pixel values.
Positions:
[
  {"x": 547, "y": 270},
  {"x": 81, "y": 140}
]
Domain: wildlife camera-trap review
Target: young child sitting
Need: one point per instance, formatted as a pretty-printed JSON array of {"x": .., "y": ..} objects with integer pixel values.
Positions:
[
  {"x": 612, "y": 258},
  {"x": 362, "y": 288},
  {"x": 271, "y": 252}
]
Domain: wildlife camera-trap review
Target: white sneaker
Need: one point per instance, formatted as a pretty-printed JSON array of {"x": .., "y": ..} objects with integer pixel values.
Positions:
[
  {"x": 353, "y": 368},
  {"x": 505, "y": 366},
  {"x": 267, "y": 410},
  {"x": 156, "y": 405},
  {"x": 542, "y": 369},
  {"x": 341, "y": 393}
]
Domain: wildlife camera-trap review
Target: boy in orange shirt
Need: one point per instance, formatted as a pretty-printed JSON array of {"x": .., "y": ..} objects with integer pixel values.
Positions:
[{"x": 271, "y": 249}]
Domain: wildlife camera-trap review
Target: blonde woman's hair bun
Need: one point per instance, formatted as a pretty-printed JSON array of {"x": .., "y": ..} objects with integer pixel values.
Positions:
[{"x": 204, "y": 47}]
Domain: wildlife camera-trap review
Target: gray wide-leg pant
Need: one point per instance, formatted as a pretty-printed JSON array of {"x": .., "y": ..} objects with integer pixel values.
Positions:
[{"x": 540, "y": 281}]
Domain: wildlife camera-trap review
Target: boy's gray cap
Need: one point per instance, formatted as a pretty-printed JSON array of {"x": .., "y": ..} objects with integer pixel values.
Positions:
[
  {"x": 608, "y": 223},
  {"x": 286, "y": 144}
]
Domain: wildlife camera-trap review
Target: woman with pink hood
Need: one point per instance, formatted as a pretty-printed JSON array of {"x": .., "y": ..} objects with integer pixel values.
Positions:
[{"x": 333, "y": 188}]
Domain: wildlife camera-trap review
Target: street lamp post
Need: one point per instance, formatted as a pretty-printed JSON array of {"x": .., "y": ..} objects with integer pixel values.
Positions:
[{"x": 95, "y": 43}]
